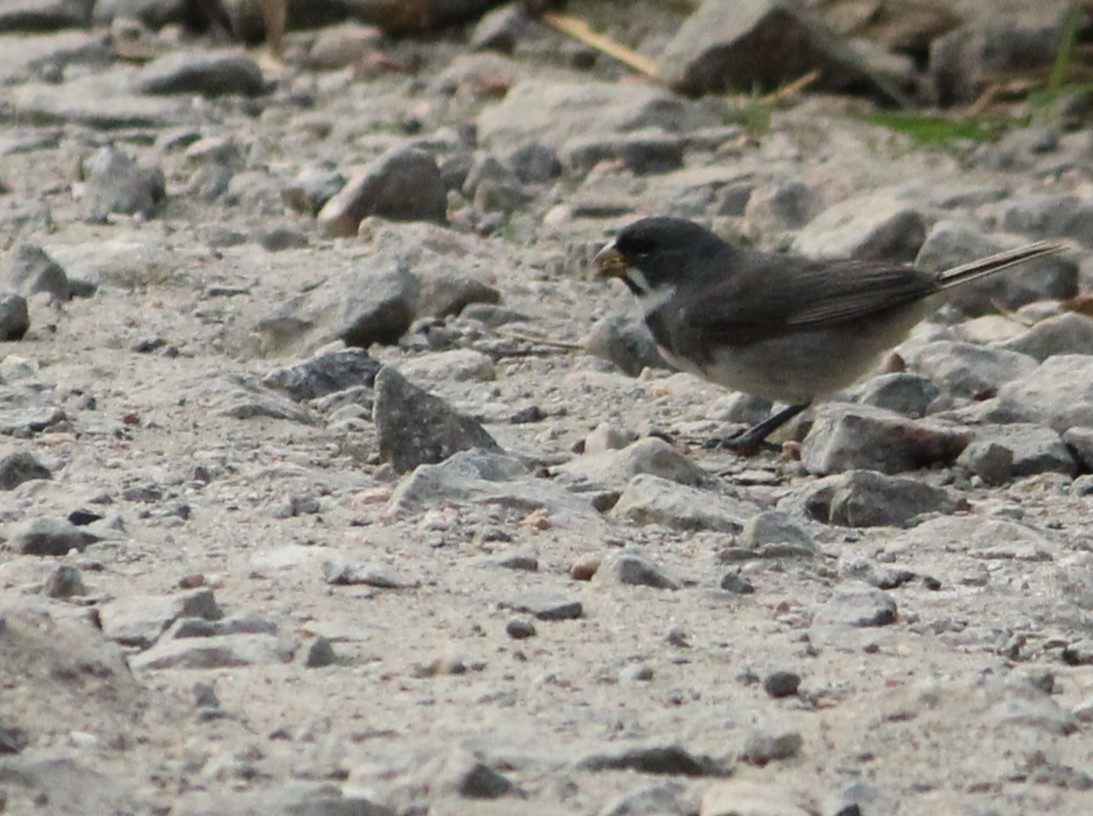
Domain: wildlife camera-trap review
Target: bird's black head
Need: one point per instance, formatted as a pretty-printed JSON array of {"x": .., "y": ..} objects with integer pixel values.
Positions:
[{"x": 655, "y": 254}]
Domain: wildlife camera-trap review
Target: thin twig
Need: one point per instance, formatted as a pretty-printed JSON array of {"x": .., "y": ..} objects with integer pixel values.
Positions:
[
  {"x": 579, "y": 30},
  {"x": 798, "y": 84},
  {"x": 528, "y": 338}
]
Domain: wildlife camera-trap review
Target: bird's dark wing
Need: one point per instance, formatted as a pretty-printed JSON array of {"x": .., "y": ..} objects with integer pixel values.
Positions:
[{"x": 765, "y": 295}]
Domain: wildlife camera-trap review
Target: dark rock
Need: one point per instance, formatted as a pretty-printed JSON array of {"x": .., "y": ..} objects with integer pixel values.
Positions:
[
  {"x": 904, "y": 392},
  {"x": 65, "y": 581},
  {"x": 16, "y": 468},
  {"x": 535, "y": 163},
  {"x": 282, "y": 237},
  {"x": 773, "y": 527},
  {"x": 991, "y": 461},
  {"x": 323, "y": 375},
  {"x": 520, "y": 628},
  {"x": 964, "y": 62},
  {"x": 44, "y": 15},
  {"x": 208, "y": 73},
  {"x": 27, "y": 270},
  {"x": 651, "y": 758},
  {"x": 46, "y": 536},
  {"x": 629, "y": 567},
  {"x": 853, "y": 567},
  {"x": 848, "y": 437},
  {"x": 14, "y": 317},
  {"x": 547, "y": 606},
  {"x": 865, "y": 498},
  {"x": 116, "y": 183},
  {"x": 448, "y": 293},
  {"x": 1080, "y": 440},
  {"x": 153, "y": 13},
  {"x": 320, "y": 653},
  {"x": 403, "y": 184},
  {"x": 417, "y": 428},
  {"x": 736, "y": 583},
  {"x": 744, "y": 45}
]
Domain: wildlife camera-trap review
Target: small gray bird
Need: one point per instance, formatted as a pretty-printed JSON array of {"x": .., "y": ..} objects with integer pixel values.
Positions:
[{"x": 788, "y": 329}]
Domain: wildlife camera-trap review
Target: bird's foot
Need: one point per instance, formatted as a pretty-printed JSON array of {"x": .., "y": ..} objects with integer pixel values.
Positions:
[{"x": 743, "y": 444}]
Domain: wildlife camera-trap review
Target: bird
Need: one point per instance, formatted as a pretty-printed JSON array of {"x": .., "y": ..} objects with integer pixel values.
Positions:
[{"x": 789, "y": 329}]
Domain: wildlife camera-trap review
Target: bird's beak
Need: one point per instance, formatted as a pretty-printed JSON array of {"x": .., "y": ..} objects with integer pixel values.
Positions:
[{"x": 610, "y": 263}]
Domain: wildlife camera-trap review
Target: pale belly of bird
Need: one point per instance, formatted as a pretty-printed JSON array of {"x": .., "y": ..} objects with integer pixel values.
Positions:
[{"x": 805, "y": 364}]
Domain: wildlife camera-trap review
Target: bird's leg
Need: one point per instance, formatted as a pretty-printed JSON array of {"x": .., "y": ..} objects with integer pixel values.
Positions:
[{"x": 749, "y": 442}]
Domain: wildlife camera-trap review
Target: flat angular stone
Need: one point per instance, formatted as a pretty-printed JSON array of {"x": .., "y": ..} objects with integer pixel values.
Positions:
[
  {"x": 651, "y": 499},
  {"x": 209, "y": 73},
  {"x": 1059, "y": 392},
  {"x": 865, "y": 498}
]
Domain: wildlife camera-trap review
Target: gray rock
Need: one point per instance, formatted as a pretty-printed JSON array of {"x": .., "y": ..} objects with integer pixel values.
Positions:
[
  {"x": 990, "y": 460},
  {"x": 747, "y": 44},
  {"x": 293, "y": 799},
  {"x": 624, "y": 340},
  {"x": 859, "y": 606},
  {"x": 865, "y": 498},
  {"x": 871, "y": 227},
  {"x": 740, "y": 797},
  {"x": 641, "y": 152},
  {"x": 319, "y": 654},
  {"x": 311, "y": 189},
  {"x": 341, "y": 46},
  {"x": 139, "y": 621},
  {"x": 24, "y": 412},
  {"x": 27, "y": 270},
  {"x": 781, "y": 683},
  {"x": 1067, "y": 333},
  {"x": 417, "y": 428},
  {"x": 209, "y": 73},
  {"x": 630, "y": 567},
  {"x": 326, "y": 374},
  {"x": 1032, "y": 449},
  {"x": 547, "y": 606},
  {"x": 775, "y": 527},
  {"x": 1050, "y": 216},
  {"x": 404, "y": 184},
  {"x": 848, "y": 437},
  {"x": 854, "y": 567},
  {"x": 856, "y": 799},
  {"x": 370, "y": 304},
  {"x": 904, "y": 392},
  {"x": 102, "y": 102},
  {"x": 652, "y": 757},
  {"x": 779, "y": 206},
  {"x": 19, "y": 467},
  {"x": 47, "y": 57},
  {"x": 1058, "y": 393},
  {"x": 465, "y": 774},
  {"x": 765, "y": 746},
  {"x": 967, "y": 370},
  {"x": 649, "y": 455},
  {"x": 454, "y": 365},
  {"x": 520, "y": 629},
  {"x": 222, "y": 652},
  {"x": 116, "y": 183},
  {"x": 45, "y": 15},
  {"x": 340, "y": 571},
  {"x": 501, "y": 28},
  {"x": 535, "y": 163},
  {"x": 951, "y": 243},
  {"x": 14, "y": 317},
  {"x": 153, "y": 13},
  {"x": 47, "y": 536},
  {"x": 245, "y": 400},
  {"x": 1080, "y": 441},
  {"x": 968, "y": 59},
  {"x": 445, "y": 293},
  {"x": 244, "y": 623},
  {"x": 551, "y": 113},
  {"x": 65, "y": 581},
  {"x": 648, "y": 800},
  {"x": 651, "y": 499}
]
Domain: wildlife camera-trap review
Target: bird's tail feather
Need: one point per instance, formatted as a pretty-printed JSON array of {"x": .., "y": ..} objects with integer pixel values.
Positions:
[{"x": 996, "y": 263}]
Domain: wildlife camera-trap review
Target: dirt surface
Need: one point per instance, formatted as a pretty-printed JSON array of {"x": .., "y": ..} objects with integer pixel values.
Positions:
[{"x": 974, "y": 699}]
